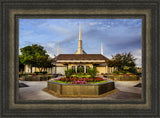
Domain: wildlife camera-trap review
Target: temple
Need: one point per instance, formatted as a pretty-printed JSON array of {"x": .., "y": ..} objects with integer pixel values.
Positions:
[{"x": 80, "y": 58}]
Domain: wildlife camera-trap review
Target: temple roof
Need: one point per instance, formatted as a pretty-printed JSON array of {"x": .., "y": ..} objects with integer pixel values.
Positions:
[
  {"x": 83, "y": 52},
  {"x": 81, "y": 57}
]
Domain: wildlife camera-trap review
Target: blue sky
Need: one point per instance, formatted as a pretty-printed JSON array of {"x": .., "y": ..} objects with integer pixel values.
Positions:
[{"x": 117, "y": 35}]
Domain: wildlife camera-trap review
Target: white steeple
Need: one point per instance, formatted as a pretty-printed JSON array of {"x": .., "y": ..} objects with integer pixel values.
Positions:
[
  {"x": 80, "y": 49},
  {"x": 80, "y": 38},
  {"x": 101, "y": 48},
  {"x": 58, "y": 50}
]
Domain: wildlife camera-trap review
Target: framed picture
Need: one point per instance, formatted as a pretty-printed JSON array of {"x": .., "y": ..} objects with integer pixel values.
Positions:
[
  {"x": 88, "y": 19},
  {"x": 62, "y": 56}
]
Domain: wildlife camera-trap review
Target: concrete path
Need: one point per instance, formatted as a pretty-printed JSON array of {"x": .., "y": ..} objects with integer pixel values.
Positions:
[
  {"x": 128, "y": 86},
  {"x": 127, "y": 91},
  {"x": 34, "y": 91}
]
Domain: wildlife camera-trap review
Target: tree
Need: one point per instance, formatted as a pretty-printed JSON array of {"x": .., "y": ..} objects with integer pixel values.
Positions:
[
  {"x": 122, "y": 60},
  {"x": 48, "y": 63},
  {"x": 110, "y": 63},
  {"x": 21, "y": 63},
  {"x": 35, "y": 56},
  {"x": 41, "y": 62}
]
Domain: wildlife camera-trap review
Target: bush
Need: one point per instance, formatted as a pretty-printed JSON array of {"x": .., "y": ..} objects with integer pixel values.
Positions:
[
  {"x": 122, "y": 72},
  {"x": 45, "y": 72},
  {"x": 36, "y": 73},
  {"x": 133, "y": 70},
  {"x": 92, "y": 71},
  {"x": 127, "y": 70},
  {"x": 39, "y": 73},
  {"x": 80, "y": 70},
  {"x": 116, "y": 72},
  {"x": 69, "y": 72},
  {"x": 22, "y": 74}
]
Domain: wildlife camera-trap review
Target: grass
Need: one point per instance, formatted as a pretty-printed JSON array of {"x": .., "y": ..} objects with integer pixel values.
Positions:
[
  {"x": 97, "y": 82},
  {"x": 81, "y": 75},
  {"x": 61, "y": 82},
  {"x": 87, "y": 82}
]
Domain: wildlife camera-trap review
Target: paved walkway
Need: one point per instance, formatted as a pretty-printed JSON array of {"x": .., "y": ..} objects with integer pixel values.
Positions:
[{"x": 127, "y": 91}]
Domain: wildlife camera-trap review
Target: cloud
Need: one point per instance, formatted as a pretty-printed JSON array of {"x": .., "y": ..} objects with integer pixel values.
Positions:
[
  {"x": 93, "y": 23},
  {"x": 59, "y": 29},
  {"x": 117, "y": 35},
  {"x": 138, "y": 55}
]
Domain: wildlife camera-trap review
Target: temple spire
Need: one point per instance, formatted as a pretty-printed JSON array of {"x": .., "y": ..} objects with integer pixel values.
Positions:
[
  {"x": 80, "y": 38},
  {"x": 80, "y": 49},
  {"x": 101, "y": 48},
  {"x": 58, "y": 50}
]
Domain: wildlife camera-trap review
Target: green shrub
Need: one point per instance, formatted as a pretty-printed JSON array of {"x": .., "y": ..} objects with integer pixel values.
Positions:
[
  {"x": 121, "y": 72},
  {"x": 128, "y": 73},
  {"x": 116, "y": 72},
  {"x": 92, "y": 71},
  {"x": 69, "y": 72},
  {"x": 80, "y": 70},
  {"x": 22, "y": 74},
  {"x": 36, "y": 73},
  {"x": 40, "y": 73},
  {"x": 44, "y": 72},
  {"x": 133, "y": 70}
]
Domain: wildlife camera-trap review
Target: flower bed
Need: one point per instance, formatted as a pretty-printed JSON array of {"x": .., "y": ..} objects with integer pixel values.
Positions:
[
  {"x": 34, "y": 77},
  {"x": 80, "y": 84},
  {"x": 77, "y": 80}
]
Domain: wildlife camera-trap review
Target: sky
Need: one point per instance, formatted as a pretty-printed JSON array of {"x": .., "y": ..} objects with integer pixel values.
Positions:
[{"x": 116, "y": 35}]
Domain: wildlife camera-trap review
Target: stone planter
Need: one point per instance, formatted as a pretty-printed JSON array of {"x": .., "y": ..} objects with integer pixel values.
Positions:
[
  {"x": 36, "y": 78},
  {"x": 80, "y": 89},
  {"x": 125, "y": 78}
]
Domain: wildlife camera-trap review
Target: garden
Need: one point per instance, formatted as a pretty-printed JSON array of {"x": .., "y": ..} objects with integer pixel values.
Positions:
[
  {"x": 37, "y": 76},
  {"x": 80, "y": 84},
  {"x": 122, "y": 76},
  {"x": 80, "y": 78}
]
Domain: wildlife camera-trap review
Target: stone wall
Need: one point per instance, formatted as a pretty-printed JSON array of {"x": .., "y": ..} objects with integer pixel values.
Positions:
[{"x": 80, "y": 89}]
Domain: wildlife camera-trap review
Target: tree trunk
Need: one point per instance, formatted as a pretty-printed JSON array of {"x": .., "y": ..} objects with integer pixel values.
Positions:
[
  {"x": 31, "y": 68},
  {"x": 39, "y": 69}
]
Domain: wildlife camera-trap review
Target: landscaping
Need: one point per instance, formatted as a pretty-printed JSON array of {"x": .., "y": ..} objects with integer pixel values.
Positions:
[
  {"x": 80, "y": 89},
  {"x": 73, "y": 80},
  {"x": 80, "y": 78},
  {"x": 122, "y": 76},
  {"x": 37, "y": 76},
  {"x": 79, "y": 84}
]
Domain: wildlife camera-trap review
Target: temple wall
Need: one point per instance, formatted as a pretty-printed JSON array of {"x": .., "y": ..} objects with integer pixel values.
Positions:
[
  {"x": 101, "y": 69},
  {"x": 70, "y": 66},
  {"x": 61, "y": 70},
  {"x": 27, "y": 69}
]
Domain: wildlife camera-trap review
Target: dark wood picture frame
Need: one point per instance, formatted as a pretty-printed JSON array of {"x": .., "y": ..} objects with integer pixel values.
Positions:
[{"x": 12, "y": 10}]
